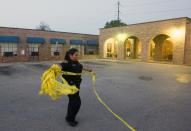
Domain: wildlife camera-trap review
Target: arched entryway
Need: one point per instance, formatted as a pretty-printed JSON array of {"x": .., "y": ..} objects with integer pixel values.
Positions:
[
  {"x": 161, "y": 48},
  {"x": 110, "y": 48},
  {"x": 133, "y": 47}
]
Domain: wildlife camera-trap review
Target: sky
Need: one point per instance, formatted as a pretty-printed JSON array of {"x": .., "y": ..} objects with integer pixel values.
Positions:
[{"x": 87, "y": 16}]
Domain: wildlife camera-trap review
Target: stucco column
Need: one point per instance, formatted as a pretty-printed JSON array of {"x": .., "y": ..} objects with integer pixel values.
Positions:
[
  {"x": 178, "y": 52},
  {"x": 120, "y": 51},
  {"x": 188, "y": 53},
  {"x": 187, "y": 59},
  {"x": 101, "y": 47},
  {"x": 145, "y": 55}
]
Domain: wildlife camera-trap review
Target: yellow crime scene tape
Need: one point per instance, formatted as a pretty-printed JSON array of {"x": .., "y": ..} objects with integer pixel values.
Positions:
[
  {"x": 55, "y": 89},
  {"x": 106, "y": 106}
]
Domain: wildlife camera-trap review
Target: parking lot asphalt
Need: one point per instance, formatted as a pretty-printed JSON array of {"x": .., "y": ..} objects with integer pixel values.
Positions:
[{"x": 149, "y": 96}]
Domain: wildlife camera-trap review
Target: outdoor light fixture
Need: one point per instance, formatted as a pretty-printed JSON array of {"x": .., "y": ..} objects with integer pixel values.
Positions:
[
  {"x": 121, "y": 37},
  {"x": 177, "y": 33}
]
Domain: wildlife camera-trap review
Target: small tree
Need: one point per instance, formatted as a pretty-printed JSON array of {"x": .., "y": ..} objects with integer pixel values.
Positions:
[
  {"x": 114, "y": 23},
  {"x": 43, "y": 26}
]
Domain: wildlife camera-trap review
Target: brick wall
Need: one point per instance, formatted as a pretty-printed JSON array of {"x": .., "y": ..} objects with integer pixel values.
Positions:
[
  {"x": 44, "y": 50},
  {"x": 14, "y": 59}
]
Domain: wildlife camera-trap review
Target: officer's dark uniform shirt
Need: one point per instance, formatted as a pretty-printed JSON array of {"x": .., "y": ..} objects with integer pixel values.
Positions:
[{"x": 75, "y": 67}]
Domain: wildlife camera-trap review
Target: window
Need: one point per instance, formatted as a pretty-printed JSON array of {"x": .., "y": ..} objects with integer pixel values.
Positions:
[
  {"x": 8, "y": 49},
  {"x": 90, "y": 50},
  {"x": 55, "y": 49},
  {"x": 34, "y": 49}
]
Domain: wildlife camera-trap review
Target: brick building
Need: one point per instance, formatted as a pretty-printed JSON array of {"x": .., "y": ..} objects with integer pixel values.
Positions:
[
  {"x": 165, "y": 40},
  {"x": 18, "y": 45}
]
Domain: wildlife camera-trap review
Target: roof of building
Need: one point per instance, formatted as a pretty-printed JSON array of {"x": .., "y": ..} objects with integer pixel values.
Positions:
[
  {"x": 189, "y": 19},
  {"x": 48, "y": 31}
]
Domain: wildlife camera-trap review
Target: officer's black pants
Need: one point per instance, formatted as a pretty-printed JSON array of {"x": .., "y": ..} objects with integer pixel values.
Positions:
[{"x": 73, "y": 106}]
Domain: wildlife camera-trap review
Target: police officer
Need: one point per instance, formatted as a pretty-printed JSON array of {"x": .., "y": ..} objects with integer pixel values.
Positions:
[{"x": 71, "y": 64}]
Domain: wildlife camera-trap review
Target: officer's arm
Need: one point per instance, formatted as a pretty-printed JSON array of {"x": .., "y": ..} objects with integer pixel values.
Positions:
[{"x": 62, "y": 65}]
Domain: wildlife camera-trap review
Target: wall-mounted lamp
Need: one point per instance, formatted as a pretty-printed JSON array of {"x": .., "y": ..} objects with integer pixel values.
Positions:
[
  {"x": 177, "y": 33},
  {"x": 121, "y": 37}
]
